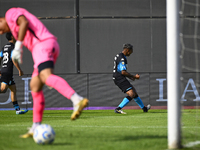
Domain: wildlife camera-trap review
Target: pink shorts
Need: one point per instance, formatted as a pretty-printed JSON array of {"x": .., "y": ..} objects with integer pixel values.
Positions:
[{"x": 47, "y": 50}]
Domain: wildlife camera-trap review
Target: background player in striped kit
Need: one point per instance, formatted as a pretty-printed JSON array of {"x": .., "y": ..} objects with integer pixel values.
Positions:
[{"x": 7, "y": 80}]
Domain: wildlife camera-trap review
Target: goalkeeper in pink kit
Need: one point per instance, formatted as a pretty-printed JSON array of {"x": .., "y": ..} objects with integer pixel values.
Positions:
[{"x": 30, "y": 32}]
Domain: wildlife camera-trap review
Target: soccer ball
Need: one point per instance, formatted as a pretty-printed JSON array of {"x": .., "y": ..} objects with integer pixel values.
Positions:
[{"x": 44, "y": 134}]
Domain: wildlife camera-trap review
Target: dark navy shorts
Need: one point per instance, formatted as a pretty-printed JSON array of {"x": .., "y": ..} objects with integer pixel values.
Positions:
[
  {"x": 7, "y": 79},
  {"x": 124, "y": 85}
]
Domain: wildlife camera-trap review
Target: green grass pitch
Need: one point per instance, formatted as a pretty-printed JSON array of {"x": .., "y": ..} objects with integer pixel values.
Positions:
[{"x": 99, "y": 130}]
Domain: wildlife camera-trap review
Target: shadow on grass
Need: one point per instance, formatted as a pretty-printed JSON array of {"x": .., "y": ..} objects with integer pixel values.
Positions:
[
  {"x": 140, "y": 137},
  {"x": 61, "y": 144},
  {"x": 158, "y": 112}
]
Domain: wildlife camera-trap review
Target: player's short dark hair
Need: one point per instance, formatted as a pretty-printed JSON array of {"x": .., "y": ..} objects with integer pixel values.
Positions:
[
  {"x": 128, "y": 46},
  {"x": 9, "y": 36}
]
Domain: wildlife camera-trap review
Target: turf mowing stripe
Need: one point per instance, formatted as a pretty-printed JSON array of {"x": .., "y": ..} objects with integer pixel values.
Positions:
[
  {"x": 86, "y": 126},
  {"x": 68, "y": 108}
]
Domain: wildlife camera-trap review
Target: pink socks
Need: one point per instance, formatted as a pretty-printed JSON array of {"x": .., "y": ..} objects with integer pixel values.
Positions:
[
  {"x": 60, "y": 85},
  {"x": 38, "y": 106}
]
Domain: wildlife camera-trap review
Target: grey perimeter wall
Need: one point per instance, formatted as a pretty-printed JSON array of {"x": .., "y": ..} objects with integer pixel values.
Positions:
[{"x": 90, "y": 34}]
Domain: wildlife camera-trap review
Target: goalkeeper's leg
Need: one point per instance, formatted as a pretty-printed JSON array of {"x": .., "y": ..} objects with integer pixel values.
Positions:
[
  {"x": 44, "y": 62},
  {"x": 38, "y": 106},
  {"x": 58, "y": 83}
]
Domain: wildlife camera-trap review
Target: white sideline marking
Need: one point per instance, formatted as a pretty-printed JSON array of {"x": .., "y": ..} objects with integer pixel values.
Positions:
[
  {"x": 88, "y": 126},
  {"x": 157, "y": 127},
  {"x": 191, "y": 144}
]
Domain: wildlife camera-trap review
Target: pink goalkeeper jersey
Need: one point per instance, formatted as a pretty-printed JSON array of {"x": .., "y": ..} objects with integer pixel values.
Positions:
[{"x": 36, "y": 31}]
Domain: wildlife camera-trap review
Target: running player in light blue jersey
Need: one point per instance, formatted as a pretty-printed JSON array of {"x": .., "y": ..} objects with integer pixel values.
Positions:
[{"x": 119, "y": 76}]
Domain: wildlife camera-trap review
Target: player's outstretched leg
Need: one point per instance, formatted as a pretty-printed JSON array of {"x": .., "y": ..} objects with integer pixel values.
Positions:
[
  {"x": 125, "y": 101},
  {"x": 79, "y": 103},
  {"x": 119, "y": 111},
  {"x": 146, "y": 108},
  {"x": 14, "y": 100},
  {"x": 20, "y": 112},
  {"x": 138, "y": 100}
]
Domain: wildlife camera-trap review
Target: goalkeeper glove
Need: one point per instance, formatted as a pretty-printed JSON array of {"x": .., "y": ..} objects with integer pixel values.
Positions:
[{"x": 17, "y": 52}]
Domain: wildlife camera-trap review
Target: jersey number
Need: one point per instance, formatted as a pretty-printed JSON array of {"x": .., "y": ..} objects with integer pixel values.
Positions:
[{"x": 5, "y": 57}]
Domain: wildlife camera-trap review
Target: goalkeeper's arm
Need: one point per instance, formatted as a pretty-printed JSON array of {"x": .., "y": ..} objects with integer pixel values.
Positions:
[{"x": 23, "y": 26}]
